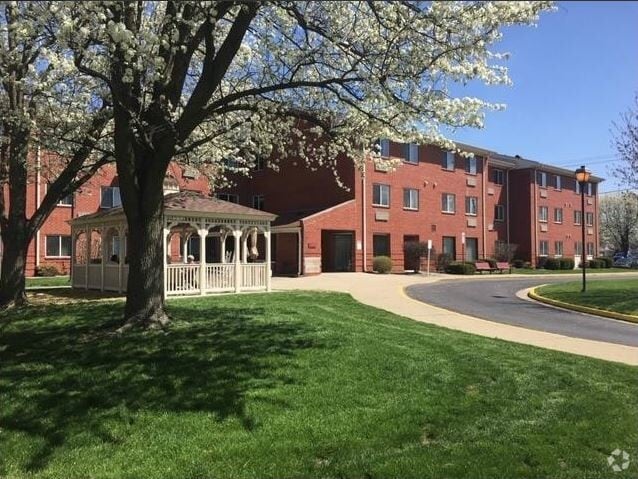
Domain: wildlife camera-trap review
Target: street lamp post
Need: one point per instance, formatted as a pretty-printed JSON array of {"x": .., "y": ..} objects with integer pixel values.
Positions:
[{"x": 582, "y": 177}]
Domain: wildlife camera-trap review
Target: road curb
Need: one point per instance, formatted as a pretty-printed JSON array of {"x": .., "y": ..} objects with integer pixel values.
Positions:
[{"x": 533, "y": 294}]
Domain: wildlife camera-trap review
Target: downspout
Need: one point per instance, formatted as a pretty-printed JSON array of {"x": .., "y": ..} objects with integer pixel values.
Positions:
[
  {"x": 483, "y": 183},
  {"x": 37, "y": 203},
  {"x": 534, "y": 219},
  {"x": 364, "y": 223},
  {"x": 507, "y": 206}
]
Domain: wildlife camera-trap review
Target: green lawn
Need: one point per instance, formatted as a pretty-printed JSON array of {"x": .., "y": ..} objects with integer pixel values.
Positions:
[
  {"x": 48, "y": 281},
  {"x": 572, "y": 271},
  {"x": 619, "y": 295},
  {"x": 290, "y": 385}
]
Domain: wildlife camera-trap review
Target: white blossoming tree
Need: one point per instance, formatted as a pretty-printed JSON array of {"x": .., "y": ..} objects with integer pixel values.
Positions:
[
  {"x": 234, "y": 80},
  {"x": 625, "y": 141},
  {"x": 45, "y": 104}
]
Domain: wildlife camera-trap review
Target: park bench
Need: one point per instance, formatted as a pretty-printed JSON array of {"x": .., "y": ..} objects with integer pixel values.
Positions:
[
  {"x": 483, "y": 266},
  {"x": 502, "y": 266}
]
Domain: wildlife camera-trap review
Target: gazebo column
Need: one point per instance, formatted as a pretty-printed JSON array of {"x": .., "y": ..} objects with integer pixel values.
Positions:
[
  {"x": 103, "y": 249},
  {"x": 268, "y": 268},
  {"x": 185, "y": 237},
  {"x": 237, "y": 235},
  {"x": 87, "y": 249},
  {"x": 222, "y": 246},
  {"x": 165, "y": 232},
  {"x": 120, "y": 258},
  {"x": 203, "y": 233}
]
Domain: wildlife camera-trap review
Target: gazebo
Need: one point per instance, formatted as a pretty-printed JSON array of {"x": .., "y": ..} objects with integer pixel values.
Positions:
[{"x": 210, "y": 246}]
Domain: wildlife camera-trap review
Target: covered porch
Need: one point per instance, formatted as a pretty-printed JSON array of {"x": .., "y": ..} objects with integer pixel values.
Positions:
[{"x": 210, "y": 246}]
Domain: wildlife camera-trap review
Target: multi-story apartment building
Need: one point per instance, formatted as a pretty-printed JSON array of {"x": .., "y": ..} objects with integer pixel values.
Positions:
[{"x": 467, "y": 206}]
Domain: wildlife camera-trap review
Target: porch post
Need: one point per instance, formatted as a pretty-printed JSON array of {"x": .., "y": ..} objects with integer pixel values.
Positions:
[
  {"x": 103, "y": 254},
  {"x": 237, "y": 235},
  {"x": 185, "y": 236},
  {"x": 203, "y": 233},
  {"x": 268, "y": 268},
  {"x": 165, "y": 233},
  {"x": 87, "y": 248},
  {"x": 222, "y": 246},
  {"x": 120, "y": 258},
  {"x": 299, "y": 253}
]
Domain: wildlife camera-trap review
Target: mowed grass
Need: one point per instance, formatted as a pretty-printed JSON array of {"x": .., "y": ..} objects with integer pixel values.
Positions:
[
  {"x": 572, "y": 271},
  {"x": 290, "y": 385},
  {"x": 48, "y": 281},
  {"x": 619, "y": 295}
]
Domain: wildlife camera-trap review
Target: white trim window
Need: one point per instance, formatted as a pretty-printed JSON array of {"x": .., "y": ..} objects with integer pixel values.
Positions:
[
  {"x": 410, "y": 199},
  {"x": 590, "y": 249},
  {"x": 589, "y": 218},
  {"x": 384, "y": 145},
  {"x": 578, "y": 217},
  {"x": 411, "y": 153},
  {"x": 543, "y": 248},
  {"x": 557, "y": 182},
  {"x": 578, "y": 248},
  {"x": 380, "y": 195},
  {"x": 110, "y": 197},
  {"x": 258, "y": 202},
  {"x": 558, "y": 248},
  {"x": 58, "y": 246},
  {"x": 543, "y": 214},
  {"x": 590, "y": 189},
  {"x": 471, "y": 205},
  {"x": 558, "y": 215},
  {"x": 470, "y": 165},
  {"x": 577, "y": 187},
  {"x": 230, "y": 197},
  {"x": 541, "y": 179},
  {"x": 499, "y": 213},
  {"x": 499, "y": 177},
  {"x": 66, "y": 201},
  {"x": 447, "y": 161},
  {"x": 448, "y": 203}
]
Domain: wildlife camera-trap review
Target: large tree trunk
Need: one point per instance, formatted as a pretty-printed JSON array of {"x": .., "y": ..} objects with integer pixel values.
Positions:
[{"x": 12, "y": 283}]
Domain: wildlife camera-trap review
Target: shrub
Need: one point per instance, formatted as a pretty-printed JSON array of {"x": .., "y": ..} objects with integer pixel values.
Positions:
[
  {"x": 504, "y": 251},
  {"x": 566, "y": 263},
  {"x": 414, "y": 251},
  {"x": 527, "y": 265},
  {"x": 458, "y": 267},
  {"x": 540, "y": 261},
  {"x": 47, "y": 270},
  {"x": 606, "y": 261},
  {"x": 595, "y": 264},
  {"x": 491, "y": 262},
  {"x": 552, "y": 263},
  {"x": 518, "y": 263},
  {"x": 382, "y": 264},
  {"x": 443, "y": 260}
]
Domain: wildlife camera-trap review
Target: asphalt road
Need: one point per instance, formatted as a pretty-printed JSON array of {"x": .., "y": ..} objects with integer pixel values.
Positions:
[{"x": 495, "y": 300}]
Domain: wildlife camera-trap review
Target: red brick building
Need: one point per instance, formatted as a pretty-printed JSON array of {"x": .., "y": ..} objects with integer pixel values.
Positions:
[{"x": 466, "y": 206}]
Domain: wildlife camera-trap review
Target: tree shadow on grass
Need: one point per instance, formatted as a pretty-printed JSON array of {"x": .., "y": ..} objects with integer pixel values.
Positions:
[{"x": 69, "y": 377}]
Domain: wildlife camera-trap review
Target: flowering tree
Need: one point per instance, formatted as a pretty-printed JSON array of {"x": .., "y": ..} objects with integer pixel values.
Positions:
[
  {"x": 619, "y": 221},
  {"x": 236, "y": 80},
  {"x": 44, "y": 103},
  {"x": 626, "y": 143}
]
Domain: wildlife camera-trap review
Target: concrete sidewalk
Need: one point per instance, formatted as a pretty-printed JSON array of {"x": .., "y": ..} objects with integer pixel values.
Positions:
[{"x": 387, "y": 292}]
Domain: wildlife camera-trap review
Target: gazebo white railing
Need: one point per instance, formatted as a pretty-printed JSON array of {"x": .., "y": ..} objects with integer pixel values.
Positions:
[{"x": 223, "y": 247}]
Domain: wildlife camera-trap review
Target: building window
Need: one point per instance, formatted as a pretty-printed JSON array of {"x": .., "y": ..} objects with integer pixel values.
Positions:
[
  {"x": 558, "y": 215},
  {"x": 110, "y": 197},
  {"x": 384, "y": 145},
  {"x": 380, "y": 195},
  {"x": 410, "y": 199},
  {"x": 499, "y": 177},
  {"x": 448, "y": 160},
  {"x": 381, "y": 245},
  {"x": 58, "y": 246},
  {"x": 590, "y": 249},
  {"x": 541, "y": 178},
  {"x": 578, "y": 217},
  {"x": 543, "y": 214},
  {"x": 470, "y": 165},
  {"x": 590, "y": 189},
  {"x": 449, "y": 246},
  {"x": 578, "y": 248},
  {"x": 448, "y": 203},
  {"x": 230, "y": 197},
  {"x": 589, "y": 219},
  {"x": 258, "y": 202},
  {"x": 471, "y": 205},
  {"x": 499, "y": 213},
  {"x": 558, "y": 248},
  {"x": 577, "y": 187},
  {"x": 543, "y": 248},
  {"x": 66, "y": 201},
  {"x": 230, "y": 163},
  {"x": 557, "y": 182},
  {"x": 411, "y": 153}
]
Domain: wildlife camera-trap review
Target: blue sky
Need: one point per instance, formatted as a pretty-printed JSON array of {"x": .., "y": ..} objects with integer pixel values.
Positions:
[{"x": 573, "y": 75}]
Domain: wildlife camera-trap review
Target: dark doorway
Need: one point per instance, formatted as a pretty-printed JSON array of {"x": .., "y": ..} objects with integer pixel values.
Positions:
[
  {"x": 343, "y": 252},
  {"x": 410, "y": 262}
]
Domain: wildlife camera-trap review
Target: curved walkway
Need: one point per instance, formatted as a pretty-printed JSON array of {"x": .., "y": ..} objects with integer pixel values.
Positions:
[{"x": 387, "y": 292}]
